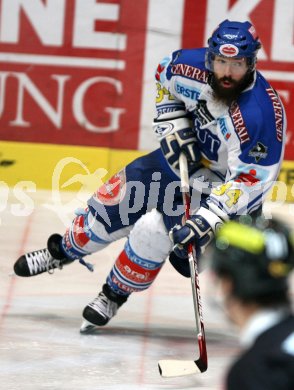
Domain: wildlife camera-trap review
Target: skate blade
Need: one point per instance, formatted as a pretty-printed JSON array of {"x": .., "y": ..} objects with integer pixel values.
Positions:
[{"x": 87, "y": 327}]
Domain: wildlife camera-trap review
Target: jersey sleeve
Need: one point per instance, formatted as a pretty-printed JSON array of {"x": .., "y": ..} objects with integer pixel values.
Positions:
[
  {"x": 166, "y": 102},
  {"x": 254, "y": 159}
]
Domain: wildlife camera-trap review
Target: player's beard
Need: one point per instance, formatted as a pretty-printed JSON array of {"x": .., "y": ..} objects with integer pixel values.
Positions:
[{"x": 229, "y": 94}]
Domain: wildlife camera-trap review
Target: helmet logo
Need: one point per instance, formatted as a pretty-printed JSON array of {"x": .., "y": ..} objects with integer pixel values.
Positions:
[
  {"x": 228, "y": 50},
  {"x": 230, "y": 36}
]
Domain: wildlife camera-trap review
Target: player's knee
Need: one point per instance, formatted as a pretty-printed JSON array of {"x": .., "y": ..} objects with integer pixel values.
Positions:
[
  {"x": 85, "y": 236},
  {"x": 149, "y": 238}
]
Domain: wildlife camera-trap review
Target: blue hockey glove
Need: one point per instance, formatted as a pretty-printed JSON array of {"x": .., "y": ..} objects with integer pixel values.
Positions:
[
  {"x": 180, "y": 264},
  {"x": 198, "y": 229},
  {"x": 176, "y": 136}
]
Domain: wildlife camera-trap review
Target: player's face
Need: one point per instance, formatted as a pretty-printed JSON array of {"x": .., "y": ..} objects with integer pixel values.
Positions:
[
  {"x": 229, "y": 75},
  {"x": 229, "y": 70}
]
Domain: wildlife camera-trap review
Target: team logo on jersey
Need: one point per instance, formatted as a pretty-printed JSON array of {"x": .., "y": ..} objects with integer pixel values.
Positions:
[
  {"x": 239, "y": 123},
  {"x": 113, "y": 191},
  {"x": 259, "y": 151},
  {"x": 228, "y": 50},
  {"x": 225, "y": 132},
  {"x": 159, "y": 70},
  {"x": 190, "y": 72},
  {"x": 187, "y": 91},
  {"x": 278, "y": 111},
  {"x": 209, "y": 142},
  {"x": 248, "y": 178}
]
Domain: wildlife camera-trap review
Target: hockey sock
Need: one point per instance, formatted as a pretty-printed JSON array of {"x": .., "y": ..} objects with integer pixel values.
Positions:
[{"x": 132, "y": 273}]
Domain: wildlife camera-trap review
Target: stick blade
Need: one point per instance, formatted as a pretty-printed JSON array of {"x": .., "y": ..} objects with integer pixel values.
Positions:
[{"x": 172, "y": 368}]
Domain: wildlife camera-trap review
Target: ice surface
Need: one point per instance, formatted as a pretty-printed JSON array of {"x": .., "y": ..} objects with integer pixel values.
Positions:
[{"x": 40, "y": 317}]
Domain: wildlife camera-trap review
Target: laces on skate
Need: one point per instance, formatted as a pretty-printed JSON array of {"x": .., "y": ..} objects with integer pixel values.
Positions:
[
  {"x": 41, "y": 261},
  {"x": 90, "y": 266}
]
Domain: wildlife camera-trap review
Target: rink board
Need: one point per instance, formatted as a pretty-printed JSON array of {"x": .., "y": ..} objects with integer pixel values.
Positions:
[{"x": 65, "y": 167}]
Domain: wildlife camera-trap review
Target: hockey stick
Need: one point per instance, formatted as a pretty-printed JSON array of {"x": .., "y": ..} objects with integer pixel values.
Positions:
[{"x": 171, "y": 368}]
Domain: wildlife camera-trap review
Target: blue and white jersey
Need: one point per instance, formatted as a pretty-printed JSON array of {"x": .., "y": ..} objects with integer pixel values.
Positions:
[{"x": 242, "y": 145}]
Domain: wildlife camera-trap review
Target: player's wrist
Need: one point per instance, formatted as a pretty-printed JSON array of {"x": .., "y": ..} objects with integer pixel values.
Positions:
[{"x": 212, "y": 219}]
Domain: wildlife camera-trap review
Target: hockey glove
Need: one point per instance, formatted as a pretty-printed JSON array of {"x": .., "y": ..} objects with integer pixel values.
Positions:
[
  {"x": 180, "y": 264},
  {"x": 176, "y": 136},
  {"x": 198, "y": 229}
]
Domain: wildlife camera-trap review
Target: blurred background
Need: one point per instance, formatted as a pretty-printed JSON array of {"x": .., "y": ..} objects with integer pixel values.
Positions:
[{"x": 77, "y": 79}]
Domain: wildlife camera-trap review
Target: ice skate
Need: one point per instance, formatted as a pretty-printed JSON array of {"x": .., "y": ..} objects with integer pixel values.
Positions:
[
  {"x": 43, "y": 260},
  {"x": 100, "y": 311}
]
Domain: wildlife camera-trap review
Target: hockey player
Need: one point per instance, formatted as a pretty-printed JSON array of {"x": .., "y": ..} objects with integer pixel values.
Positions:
[
  {"x": 215, "y": 107},
  {"x": 252, "y": 264}
]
